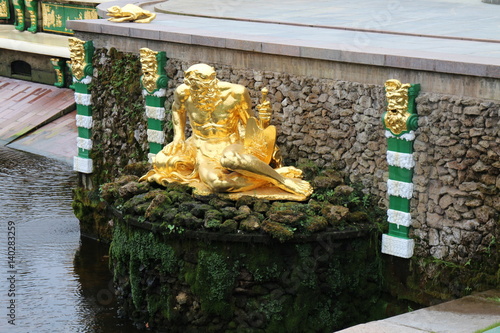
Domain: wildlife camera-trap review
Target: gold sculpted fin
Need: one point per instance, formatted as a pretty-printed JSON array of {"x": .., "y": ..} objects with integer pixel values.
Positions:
[{"x": 260, "y": 142}]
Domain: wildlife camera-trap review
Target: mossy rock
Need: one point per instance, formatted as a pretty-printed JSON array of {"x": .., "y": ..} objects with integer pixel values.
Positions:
[
  {"x": 229, "y": 226},
  {"x": 179, "y": 196},
  {"x": 326, "y": 182},
  {"x": 334, "y": 214},
  {"x": 357, "y": 217},
  {"x": 251, "y": 223},
  {"x": 187, "y": 220},
  {"x": 277, "y": 230},
  {"x": 315, "y": 224},
  {"x": 138, "y": 169},
  {"x": 291, "y": 213},
  {"x": 133, "y": 188},
  {"x": 157, "y": 206}
]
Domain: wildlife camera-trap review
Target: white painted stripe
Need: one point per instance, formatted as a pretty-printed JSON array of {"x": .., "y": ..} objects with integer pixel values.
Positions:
[
  {"x": 402, "y": 160},
  {"x": 83, "y": 121},
  {"x": 83, "y": 165},
  {"x": 399, "y": 247},
  {"x": 398, "y": 217},
  {"x": 156, "y": 136},
  {"x": 400, "y": 189},
  {"x": 155, "y": 112},
  {"x": 84, "y": 143},
  {"x": 83, "y": 99},
  {"x": 151, "y": 157},
  {"x": 410, "y": 136},
  {"x": 159, "y": 93},
  {"x": 85, "y": 80}
]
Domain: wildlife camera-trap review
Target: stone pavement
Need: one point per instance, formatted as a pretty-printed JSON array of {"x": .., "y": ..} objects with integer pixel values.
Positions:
[
  {"x": 39, "y": 43},
  {"x": 466, "y": 315},
  {"x": 452, "y": 27},
  {"x": 463, "y": 19},
  {"x": 436, "y": 36}
]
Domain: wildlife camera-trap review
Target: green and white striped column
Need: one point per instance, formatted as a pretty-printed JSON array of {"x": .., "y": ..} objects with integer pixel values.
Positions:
[
  {"x": 81, "y": 68},
  {"x": 400, "y": 136},
  {"x": 154, "y": 82}
]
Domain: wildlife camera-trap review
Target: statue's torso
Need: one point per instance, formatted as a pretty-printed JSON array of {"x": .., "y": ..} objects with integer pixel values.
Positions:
[{"x": 219, "y": 120}]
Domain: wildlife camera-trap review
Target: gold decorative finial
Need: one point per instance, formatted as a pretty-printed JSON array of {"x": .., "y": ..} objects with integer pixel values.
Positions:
[
  {"x": 397, "y": 106},
  {"x": 77, "y": 55},
  {"x": 149, "y": 66}
]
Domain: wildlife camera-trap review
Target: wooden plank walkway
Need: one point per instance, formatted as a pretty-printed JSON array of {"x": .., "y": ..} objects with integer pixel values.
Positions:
[{"x": 26, "y": 106}]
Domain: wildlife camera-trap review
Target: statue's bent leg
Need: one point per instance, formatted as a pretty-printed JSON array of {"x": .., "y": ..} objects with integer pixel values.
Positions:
[
  {"x": 219, "y": 179},
  {"x": 235, "y": 159}
]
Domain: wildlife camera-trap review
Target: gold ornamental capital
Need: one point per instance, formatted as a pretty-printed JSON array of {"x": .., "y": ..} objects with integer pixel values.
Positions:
[{"x": 397, "y": 114}]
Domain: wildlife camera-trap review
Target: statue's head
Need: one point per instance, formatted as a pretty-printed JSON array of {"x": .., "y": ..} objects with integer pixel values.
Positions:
[{"x": 200, "y": 78}]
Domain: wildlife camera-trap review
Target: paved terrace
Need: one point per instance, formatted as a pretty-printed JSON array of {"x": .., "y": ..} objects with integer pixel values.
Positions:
[{"x": 450, "y": 47}]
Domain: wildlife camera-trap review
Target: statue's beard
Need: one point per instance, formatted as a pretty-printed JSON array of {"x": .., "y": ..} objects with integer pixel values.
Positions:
[{"x": 207, "y": 97}]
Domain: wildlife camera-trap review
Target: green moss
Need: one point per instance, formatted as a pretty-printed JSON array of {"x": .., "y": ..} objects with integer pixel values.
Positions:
[
  {"x": 265, "y": 266},
  {"x": 90, "y": 210},
  {"x": 449, "y": 279},
  {"x": 135, "y": 249},
  {"x": 214, "y": 281},
  {"x": 116, "y": 87},
  {"x": 272, "y": 309}
]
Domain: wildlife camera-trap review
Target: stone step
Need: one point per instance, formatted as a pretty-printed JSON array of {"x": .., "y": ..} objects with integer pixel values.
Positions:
[{"x": 465, "y": 315}]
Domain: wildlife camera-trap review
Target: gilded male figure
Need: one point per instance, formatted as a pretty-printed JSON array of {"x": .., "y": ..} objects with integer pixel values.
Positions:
[{"x": 228, "y": 150}]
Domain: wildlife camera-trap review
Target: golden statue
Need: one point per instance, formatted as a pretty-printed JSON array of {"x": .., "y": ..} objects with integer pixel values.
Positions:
[
  {"x": 130, "y": 13},
  {"x": 228, "y": 151}
]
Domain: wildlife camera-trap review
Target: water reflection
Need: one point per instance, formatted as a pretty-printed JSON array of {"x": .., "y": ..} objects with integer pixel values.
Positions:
[{"x": 62, "y": 283}]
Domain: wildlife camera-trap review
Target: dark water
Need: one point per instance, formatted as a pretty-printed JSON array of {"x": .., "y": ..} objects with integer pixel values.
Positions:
[{"x": 57, "y": 281}]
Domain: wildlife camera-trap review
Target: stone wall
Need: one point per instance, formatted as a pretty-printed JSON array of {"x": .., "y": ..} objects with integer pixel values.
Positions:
[
  {"x": 337, "y": 124},
  {"x": 42, "y": 70}
]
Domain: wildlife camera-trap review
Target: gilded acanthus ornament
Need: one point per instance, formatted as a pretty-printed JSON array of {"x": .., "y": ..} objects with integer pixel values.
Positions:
[
  {"x": 4, "y": 10},
  {"x": 149, "y": 66},
  {"x": 77, "y": 55},
  {"x": 130, "y": 13},
  {"x": 397, "y": 113},
  {"x": 228, "y": 151}
]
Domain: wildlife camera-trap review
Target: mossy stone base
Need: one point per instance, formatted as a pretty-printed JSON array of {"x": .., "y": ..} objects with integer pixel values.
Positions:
[{"x": 188, "y": 283}]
